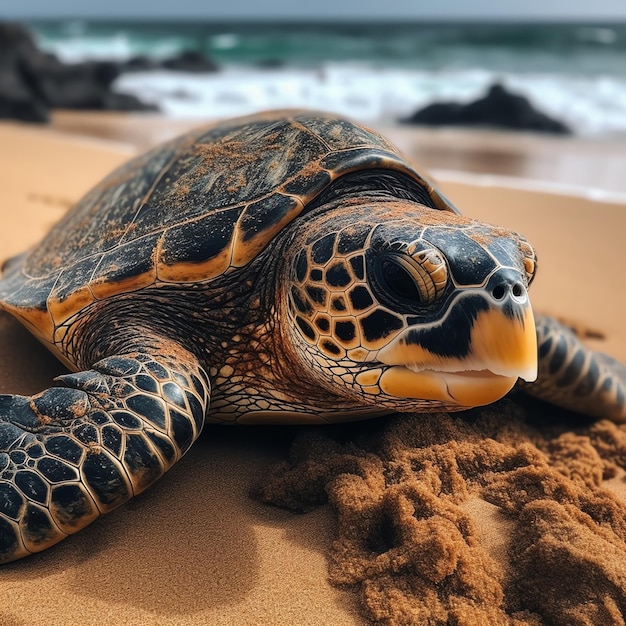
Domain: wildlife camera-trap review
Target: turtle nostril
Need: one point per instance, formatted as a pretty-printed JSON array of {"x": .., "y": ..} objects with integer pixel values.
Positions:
[
  {"x": 499, "y": 292},
  {"x": 507, "y": 285}
]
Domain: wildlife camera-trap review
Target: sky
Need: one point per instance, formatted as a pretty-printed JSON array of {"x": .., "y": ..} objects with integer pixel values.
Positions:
[{"x": 318, "y": 9}]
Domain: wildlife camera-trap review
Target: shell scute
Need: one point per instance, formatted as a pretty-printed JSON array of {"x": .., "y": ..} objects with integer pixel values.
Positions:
[
  {"x": 65, "y": 297},
  {"x": 352, "y": 159},
  {"x": 198, "y": 250},
  {"x": 26, "y": 293},
  {"x": 308, "y": 183},
  {"x": 137, "y": 259},
  {"x": 341, "y": 134},
  {"x": 260, "y": 221}
]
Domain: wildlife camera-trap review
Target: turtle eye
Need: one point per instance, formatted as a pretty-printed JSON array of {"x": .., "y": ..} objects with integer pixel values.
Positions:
[
  {"x": 399, "y": 281},
  {"x": 409, "y": 281}
]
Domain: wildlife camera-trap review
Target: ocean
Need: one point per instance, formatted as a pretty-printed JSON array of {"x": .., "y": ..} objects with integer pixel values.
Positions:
[{"x": 374, "y": 72}]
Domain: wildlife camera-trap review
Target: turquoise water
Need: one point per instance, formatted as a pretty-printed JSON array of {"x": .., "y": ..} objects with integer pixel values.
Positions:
[{"x": 568, "y": 48}]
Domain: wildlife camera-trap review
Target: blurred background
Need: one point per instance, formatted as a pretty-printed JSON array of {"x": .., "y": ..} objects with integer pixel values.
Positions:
[{"x": 439, "y": 77}]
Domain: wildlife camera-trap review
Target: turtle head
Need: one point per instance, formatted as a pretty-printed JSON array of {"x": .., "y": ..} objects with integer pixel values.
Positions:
[{"x": 411, "y": 308}]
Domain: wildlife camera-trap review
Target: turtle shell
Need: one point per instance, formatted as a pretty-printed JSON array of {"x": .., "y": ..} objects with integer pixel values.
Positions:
[{"x": 189, "y": 209}]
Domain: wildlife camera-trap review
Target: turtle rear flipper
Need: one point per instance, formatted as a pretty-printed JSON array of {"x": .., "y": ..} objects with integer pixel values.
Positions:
[
  {"x": 573, "y": 376},
  {"x": 72, "y": 453}
]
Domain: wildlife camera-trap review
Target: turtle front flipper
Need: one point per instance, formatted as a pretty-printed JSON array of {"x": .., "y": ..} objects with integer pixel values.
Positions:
[
  {"x": 573, "y": 376},
  {"x": 74, "y": 452}
]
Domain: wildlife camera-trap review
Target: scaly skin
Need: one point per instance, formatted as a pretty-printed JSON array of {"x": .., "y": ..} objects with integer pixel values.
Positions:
[
  {"x": 573, "y": 376},
  {"x": 72, "y": 453}
]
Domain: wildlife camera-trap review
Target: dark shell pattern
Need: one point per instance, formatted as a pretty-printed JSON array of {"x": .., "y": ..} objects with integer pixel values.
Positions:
[{"x": 189, "y": 210}]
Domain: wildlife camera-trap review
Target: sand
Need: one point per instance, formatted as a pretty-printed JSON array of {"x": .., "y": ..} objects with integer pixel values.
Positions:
[
  {"x": 491, "y": 518},
  {"x": 507, "y": 516}
]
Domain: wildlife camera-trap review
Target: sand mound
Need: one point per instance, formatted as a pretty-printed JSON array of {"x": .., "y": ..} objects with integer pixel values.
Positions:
[{"x": 476, "y": 519}]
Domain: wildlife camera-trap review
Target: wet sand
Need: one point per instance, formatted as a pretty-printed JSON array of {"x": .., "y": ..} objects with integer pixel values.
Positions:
[{"x": 197, "y": 549}]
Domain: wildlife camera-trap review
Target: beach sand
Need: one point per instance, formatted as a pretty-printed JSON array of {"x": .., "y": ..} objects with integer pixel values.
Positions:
[{"x": 507, "y": 516}]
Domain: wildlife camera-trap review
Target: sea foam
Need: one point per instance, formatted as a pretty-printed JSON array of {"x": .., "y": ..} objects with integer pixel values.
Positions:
[{"x": 590, "y": 105}]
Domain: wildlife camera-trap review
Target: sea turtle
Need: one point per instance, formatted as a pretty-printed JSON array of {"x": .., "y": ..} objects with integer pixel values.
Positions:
[{"x": 291, "y": 267}]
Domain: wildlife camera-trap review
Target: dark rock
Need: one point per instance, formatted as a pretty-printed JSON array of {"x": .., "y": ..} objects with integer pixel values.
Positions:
[
  {"x": 105, "y": 72},
  {"x": 190, "y": 61},
  {"x": 126, "y": 102},
  {"x": 498, "y": 109},
  {"x": 33, "y": 82},
  {"x": 87, "y": 86},
  {"x": 22, "y": 94},
  {"x": 17, "y": 101}
]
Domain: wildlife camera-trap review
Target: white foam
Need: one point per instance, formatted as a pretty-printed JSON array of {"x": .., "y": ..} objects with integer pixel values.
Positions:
[
  {"x": 592, "y": 105},
  {"x": 119, "y": 46}
]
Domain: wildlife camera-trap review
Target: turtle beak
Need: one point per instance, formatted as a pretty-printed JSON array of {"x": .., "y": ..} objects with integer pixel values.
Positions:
[
  {"x": 507, "y": 345},
  {"x": 501, "y": 346}
]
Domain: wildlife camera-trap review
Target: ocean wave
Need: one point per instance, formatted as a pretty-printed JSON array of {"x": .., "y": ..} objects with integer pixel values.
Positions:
[
  {"x": 589, "y": 105},
  {"x": 118, "y": 46},
  {"x": 372, "y": 72},
  {"x": 513, "y": 46}
]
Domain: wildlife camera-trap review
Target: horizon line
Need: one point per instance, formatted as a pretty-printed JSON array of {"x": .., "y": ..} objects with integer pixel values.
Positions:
[{"x": 341, "y": 20}]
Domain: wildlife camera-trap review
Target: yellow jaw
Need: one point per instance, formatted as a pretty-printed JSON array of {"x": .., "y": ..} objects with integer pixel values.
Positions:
[
  {"x": 502, "y": 349},
  {"x": 462, "y": 388}
]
